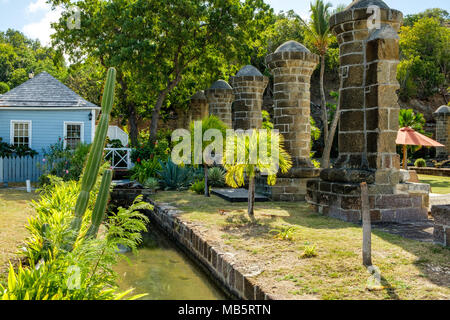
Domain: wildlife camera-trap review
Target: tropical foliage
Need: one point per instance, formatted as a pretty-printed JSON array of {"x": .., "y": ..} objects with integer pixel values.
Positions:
[
  {"x": 424, "y": 69},
  {"x": 239, "y": 163},
  {"x": 66, "y": 258},
  {"x": 8, "y": 150},
  {"x": 63, "y": 162}
]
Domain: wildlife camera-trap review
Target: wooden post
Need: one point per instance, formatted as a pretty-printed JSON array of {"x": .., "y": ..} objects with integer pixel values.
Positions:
[
  {"x": 366, "y": 225},
  {"x": 251, "y": 197},
  {"x": 405, "y": 157},
  {"x": 205, "y": 169}
]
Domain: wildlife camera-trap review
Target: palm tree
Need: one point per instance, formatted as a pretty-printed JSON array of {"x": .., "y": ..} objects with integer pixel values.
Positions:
[
  {"x": 319, "y": 31},
  {"x": 407, "y": 118},
  {"x": 211, "y": 122},
  {"x": 238, "y": 169}
]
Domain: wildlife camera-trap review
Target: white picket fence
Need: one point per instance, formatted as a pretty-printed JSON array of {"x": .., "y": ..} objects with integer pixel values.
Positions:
[{"x": 20, "y": 169}]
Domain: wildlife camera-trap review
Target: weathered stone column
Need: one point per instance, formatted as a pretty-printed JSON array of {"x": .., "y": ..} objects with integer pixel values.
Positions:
[
  {"x": 199, "y": 106},
  {"x": 248, "y": 87},
  {"x": 442, "y": 116},
  {"x": 292, "y": 66},
  {"x": 368, "y": 125},
  {"x": 220, "y": 97}
]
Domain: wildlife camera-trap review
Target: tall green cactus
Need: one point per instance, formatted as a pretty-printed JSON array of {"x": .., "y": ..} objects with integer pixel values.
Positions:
[
  {"x": 100, "y": 205},
  {"x": 94, "y": 159}
]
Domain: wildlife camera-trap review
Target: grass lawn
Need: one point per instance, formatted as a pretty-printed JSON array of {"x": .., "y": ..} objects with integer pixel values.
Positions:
[
  {"x": 438, "y": 184},
  {"x": 410, "y": 269},
  {"x": 14, "y": 210}
]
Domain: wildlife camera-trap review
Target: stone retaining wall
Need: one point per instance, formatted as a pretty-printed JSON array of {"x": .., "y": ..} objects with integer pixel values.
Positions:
[
  {"x": 218, "y": 264},
  {"x": 442, "y": 172},
  {"x": 441, "y": 215}
]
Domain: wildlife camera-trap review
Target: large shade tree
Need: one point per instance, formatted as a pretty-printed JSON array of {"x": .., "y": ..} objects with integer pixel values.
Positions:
[{"x": 155, "y": 44}]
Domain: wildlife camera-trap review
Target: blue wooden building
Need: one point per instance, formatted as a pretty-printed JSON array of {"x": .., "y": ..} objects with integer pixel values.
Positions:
[{"x": 42, "y": 111}]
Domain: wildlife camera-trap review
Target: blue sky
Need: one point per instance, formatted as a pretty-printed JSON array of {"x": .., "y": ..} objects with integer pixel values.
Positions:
[{"x": 33, "y": 17}]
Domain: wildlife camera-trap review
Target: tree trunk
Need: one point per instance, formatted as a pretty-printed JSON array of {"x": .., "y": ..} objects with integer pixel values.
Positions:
[
  {"x": 157, "y": 109},
  {"x": 405, "y": 157},
  {"x": 251, "y": 198},
  {"x": 367, "y": 228},
  {"x": 325, "y": 163},
  {"x": 132, "y": 117},
  {"x": 132, "y": 124},
  {"x": 155, "y": 115},
  {"x": 323, "y": 98},
  {"x": 205, "y": 169}
]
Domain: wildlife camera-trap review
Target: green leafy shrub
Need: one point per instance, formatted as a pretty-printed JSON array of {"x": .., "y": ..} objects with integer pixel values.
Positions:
[
  {"x": 283, "y": 233},
  {"x": 4, "y": 87},
  {"x": 198, "y": 187},
  {"x": 420, "y": 163},
  {"x": 114, "y": 143},
  {"x": 145, "y": 169},
  {"x": 151, "y": 183},
  {"x": 309, "y": 252},
  {"x": 216, "y": 177},
  {"x": 8, "y": 150},
  {"x": 147, "y": 150},
  {"x": 62, "y": 162},
  {"x": 173, "y": 177}
]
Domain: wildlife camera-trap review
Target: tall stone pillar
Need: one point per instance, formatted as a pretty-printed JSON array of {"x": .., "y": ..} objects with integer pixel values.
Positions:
[
  {"x": 199, "y": 106},
  {"x": 220, "y": 97},
  {"x": 442, "y": 116},
  {"x": 292, "y": 65},
  {"x": 248, "y": 87},
  {"x": 368, "y": 125}
]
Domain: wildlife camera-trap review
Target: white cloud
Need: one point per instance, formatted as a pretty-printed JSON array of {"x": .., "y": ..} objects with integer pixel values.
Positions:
[
  {"x": 41, "y": 29},
  {"x": 38, "y": 5}
]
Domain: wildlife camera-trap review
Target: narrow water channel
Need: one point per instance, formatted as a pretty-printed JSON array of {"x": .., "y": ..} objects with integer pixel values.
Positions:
[{"x": 165, "y": 273}]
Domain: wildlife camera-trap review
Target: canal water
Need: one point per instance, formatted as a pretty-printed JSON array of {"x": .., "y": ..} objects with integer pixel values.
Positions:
[{"x": 165, "y": 273}]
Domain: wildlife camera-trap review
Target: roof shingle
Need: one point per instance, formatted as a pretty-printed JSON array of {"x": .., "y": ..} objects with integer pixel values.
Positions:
[{"x": 43, "y": 91}]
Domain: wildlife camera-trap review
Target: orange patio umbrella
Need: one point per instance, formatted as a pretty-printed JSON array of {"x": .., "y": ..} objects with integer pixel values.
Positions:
[{"x": 408, "y": 137}]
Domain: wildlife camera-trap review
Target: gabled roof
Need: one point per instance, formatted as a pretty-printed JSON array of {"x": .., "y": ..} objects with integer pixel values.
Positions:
[{"x": 43, "y": 91}]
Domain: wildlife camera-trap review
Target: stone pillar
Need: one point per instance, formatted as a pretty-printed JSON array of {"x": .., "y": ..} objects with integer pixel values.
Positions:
[
  {"x": 442, "y": 116},
  {"x": 220, "y": 97},
  {"x": 248, "y": 87},
  {"x": 292, "y": 66},
  {"x": 369, "y": 120},
  {"x": 199, "y": 106}
]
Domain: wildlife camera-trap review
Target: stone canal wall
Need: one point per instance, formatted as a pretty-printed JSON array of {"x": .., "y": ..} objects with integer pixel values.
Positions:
[{"x": 215, "y": 262}]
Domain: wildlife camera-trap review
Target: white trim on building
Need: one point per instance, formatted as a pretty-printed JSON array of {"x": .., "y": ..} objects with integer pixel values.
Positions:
[
  {"x": 30, "y": 131},
  {"x": 73, "y": 123}
]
